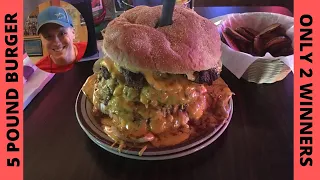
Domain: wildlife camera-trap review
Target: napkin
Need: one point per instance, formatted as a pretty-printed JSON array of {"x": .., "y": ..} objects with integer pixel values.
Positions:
[
  {"x": 34, "y": 80},
  {"x": 238, "y": 62},
  {"x": 28, "y": 68}
]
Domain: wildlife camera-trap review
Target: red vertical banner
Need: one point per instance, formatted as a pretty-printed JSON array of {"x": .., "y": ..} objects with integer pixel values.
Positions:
[
  {"x": 11, "y": 90},
  {"x": 307, "y": 90}
]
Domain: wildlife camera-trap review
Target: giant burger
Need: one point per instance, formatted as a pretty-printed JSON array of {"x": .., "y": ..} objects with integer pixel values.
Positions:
[{"x": 158, "y": 86}]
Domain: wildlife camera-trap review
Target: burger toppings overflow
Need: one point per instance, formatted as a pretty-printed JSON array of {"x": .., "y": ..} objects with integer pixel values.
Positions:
[
  {"x": 144, "y": 99},
  {"x": 155, "y": 107}
]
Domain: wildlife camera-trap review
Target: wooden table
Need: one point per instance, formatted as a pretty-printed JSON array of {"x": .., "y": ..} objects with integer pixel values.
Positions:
[{"x": 257, "y": 145}]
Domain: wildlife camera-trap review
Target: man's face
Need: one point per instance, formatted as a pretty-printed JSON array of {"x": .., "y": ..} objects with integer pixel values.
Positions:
[{"x": 58, "y": 41}]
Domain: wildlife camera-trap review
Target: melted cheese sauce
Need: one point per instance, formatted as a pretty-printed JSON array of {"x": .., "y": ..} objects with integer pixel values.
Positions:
[{"x": 136, "y": 114}]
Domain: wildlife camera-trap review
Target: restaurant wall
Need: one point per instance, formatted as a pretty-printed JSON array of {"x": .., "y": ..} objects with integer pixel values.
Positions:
[{"x": 29, "y": 6}]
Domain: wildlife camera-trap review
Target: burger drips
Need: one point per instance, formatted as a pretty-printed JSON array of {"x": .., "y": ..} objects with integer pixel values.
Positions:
[{"x": 163, "y": 109}]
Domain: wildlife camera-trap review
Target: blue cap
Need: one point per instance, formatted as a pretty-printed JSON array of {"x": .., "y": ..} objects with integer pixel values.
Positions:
[{"x": 54, "y": 14}]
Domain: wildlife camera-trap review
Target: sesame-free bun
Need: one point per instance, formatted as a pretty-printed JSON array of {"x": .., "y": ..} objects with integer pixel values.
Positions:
[{"x": 191, "y": 43}]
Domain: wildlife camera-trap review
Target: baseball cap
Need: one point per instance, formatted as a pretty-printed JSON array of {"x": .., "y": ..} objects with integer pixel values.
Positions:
[{"x": 54, "y": 14}]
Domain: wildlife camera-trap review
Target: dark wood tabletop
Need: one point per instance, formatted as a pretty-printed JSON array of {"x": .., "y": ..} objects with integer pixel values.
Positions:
[{"x": 257, "y": 145}]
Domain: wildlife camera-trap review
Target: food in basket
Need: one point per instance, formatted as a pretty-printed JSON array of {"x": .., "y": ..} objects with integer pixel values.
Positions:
[
  {"x": 248, "y": 33},
  {"x": 272, "y": 39},
  {"x": 159, "y": 87}
]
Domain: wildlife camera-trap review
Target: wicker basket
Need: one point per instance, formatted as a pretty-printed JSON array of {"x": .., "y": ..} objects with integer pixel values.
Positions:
[{"x": 265, "y": 69}]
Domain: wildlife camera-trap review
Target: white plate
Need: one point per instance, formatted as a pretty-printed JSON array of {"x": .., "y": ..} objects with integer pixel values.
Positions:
[
  {"x": 167, "y": 156},
  {"x": 92, "y": 128}
]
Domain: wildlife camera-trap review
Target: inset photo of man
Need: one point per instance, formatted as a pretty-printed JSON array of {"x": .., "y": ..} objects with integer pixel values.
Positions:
[{"x": 56, "y": 44}]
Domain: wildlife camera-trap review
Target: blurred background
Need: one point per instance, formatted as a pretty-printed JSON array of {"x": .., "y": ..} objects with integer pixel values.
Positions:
[
  {"x": 95, "y": 14},
  {"x": 284, "y": 3},
  {"x": 103, "y": 10}
]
